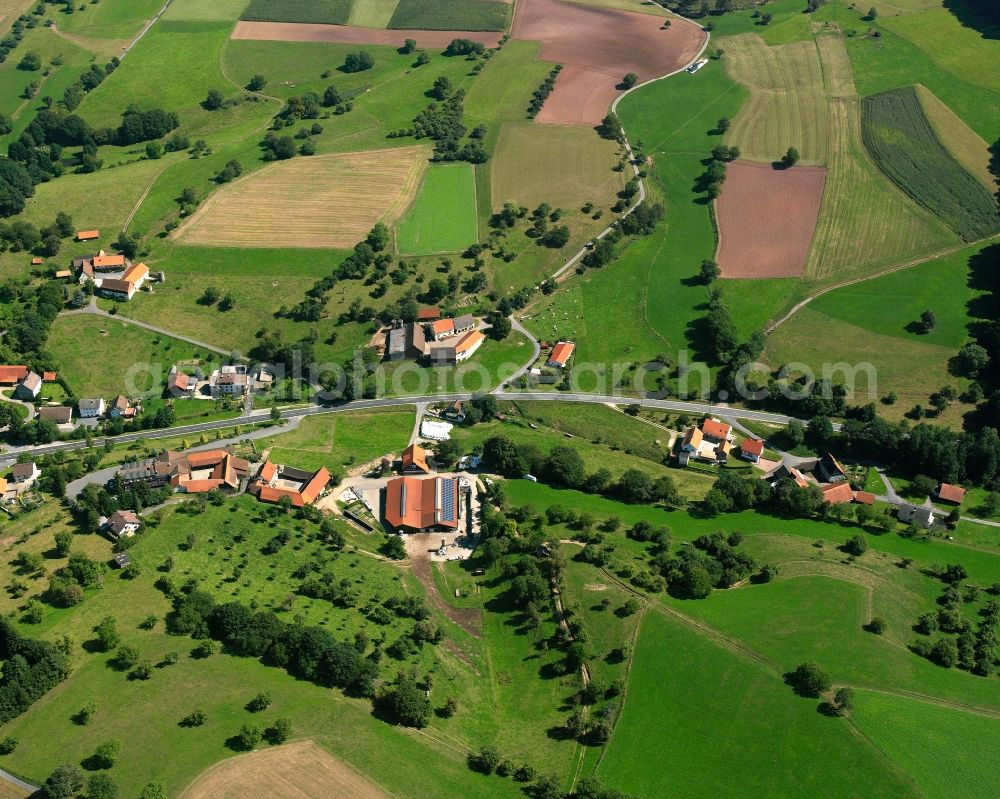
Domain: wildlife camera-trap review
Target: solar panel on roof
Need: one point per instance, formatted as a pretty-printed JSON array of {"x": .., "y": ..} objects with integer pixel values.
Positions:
[{"x": 448, "y": 500}]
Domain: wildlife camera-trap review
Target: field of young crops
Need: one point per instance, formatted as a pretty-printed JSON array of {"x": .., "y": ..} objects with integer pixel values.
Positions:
[{"x": 901, "y": 141}]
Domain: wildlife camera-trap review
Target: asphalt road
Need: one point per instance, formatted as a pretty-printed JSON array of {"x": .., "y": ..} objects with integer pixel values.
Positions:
[{"x": 692, "y": 408}]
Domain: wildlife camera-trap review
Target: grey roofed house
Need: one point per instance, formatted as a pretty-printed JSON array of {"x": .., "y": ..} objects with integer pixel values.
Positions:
[
  {"x": 30, "y": 386},
  {"x": 122, "y": 559},
  {"x": 918, "y": 514},
  {"x": 90, "y": 404},
  {"x": 464, "y": 322},
  {"x": 396, "y": 346},
  {"x": 60, "y": 414}
]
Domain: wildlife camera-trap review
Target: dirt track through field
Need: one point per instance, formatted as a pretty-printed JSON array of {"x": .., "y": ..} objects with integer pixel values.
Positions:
[
  {"x": 349, "y": 34},
  {"x": 294, "y": 771},
  {"x": 598, "y": 47},
  {"x": 320, "y": 201},
  {"x": 766, "y": 219}
]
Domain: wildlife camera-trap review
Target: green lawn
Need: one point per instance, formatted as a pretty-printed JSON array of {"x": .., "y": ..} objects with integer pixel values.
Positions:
[
  {"x": 443, "y": 217},
  {"x": 940, "y": 748},
  {"x": 104, "y": 357},
  {"x": 700, "y": 720},
  {"x": 821, "y": 619},
  {"x": 108, "y": 19},
  {"x": 950, "y": 286},
  {"x": 140, "y": 78},
  {"x": 863, "y": 329},
  {"x": 968, "y": 52},
  {"x": 339, "y": 441}
]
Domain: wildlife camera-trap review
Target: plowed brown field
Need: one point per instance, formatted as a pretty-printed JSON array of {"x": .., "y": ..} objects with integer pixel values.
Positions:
[
  {"x": 766, "y": 219},
  {"x": 598, "y": 47},
  {"x": 350, "y": 34},
  {"x": 294, "y": 771},
  {"x": 316, "y": 201}
]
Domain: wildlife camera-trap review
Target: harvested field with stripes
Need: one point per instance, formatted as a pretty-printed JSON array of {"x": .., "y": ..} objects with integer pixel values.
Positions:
[
  {"x": 766, "y": 219},
  {"x": 865, "y": 223},
  {"x": 788, "y": 102},
  {"x": 320, "y": 201},
  {"x": 294, "y": 771}
]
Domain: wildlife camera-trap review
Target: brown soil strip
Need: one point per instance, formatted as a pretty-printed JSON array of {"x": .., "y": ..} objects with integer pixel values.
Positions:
[
  {"x": 766, "y": 219},
  {"x": 598, "y": 47}
]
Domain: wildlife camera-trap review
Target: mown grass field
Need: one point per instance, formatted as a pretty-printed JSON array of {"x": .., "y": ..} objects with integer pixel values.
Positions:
[
  {"x": 772, "y": 737},
  {"x": 139, "y": 79},
  {"x": 109, "y": 19},
  {"x": 339, "y": 441},
  {"x": 102, "y": 200},
  {"x": 442, "y": 218},
  {"x": 803, "y": 95},
  {"x": 902, "y": 142},
  {"x": 911, "y": 368},
  {"x": 940, "y": 748},
  {"x": 563, "y": 166},
  {"x": 282, "y": 771},
  {"x": 327, "y": 201},
  {"x": 96, "y": 355},
  {"x": 825, "y": 617},
  {"x": 863, "y": 328},
  {"x": 963, "y": 50},
  {"x": 952, "y": 286},
  {"x": 892, "y": 61},
  {"x": 788, "y": 99}
]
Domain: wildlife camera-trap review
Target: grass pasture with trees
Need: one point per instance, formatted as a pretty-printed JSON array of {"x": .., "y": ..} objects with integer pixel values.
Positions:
[
  {"x": 442, "y": 218},
  {"x": 902, "y": 142},
  {"x": 97, "y": 354},
  {"x": 681, "y": 673}
]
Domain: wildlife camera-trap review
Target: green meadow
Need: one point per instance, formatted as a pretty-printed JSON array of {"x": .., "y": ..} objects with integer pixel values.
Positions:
[
  {"x": 443, "y": 217},
  {"x": 682, "y": 686}
]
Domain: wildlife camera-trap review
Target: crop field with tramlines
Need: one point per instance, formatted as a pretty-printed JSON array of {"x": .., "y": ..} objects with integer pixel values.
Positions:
[{"x": 902, "y": 142}]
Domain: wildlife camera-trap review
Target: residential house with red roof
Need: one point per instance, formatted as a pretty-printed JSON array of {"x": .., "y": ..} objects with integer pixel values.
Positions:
[
  {"x": 560, "y": 355},
  {"x": 275, "y": 481}
]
